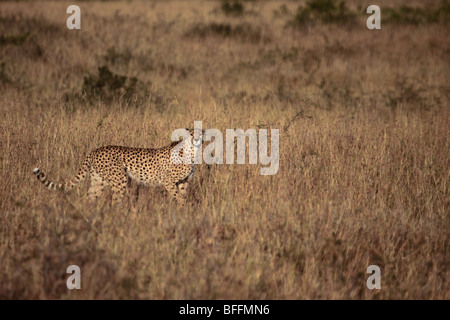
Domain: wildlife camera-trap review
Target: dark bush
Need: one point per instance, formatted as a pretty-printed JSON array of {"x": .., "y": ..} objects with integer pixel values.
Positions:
[
  {"x": 282, "y": 11},
  {"x": 4, "y": 78},
  {"x": 242, "y": 31},
  {"x": 115, "y": 56},
  {"x": 21, "y": 25},
  {"x": 409, "y": 15},
  {"x": 232, "y": 8},
  {"x": 108, "y": 86},
  {"x": 14, "y": 39},
  {"x": 324, "y": 11}
]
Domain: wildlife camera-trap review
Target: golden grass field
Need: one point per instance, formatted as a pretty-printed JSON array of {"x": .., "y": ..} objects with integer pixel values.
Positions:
[{"x": 364, "y": 152}]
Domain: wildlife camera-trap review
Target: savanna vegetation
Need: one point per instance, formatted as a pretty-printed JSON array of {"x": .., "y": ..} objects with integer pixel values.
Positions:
[{"x": 364, "y": 149}]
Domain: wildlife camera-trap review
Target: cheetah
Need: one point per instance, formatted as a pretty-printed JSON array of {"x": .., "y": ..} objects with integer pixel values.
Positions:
[{"x": 116, "y": 166}]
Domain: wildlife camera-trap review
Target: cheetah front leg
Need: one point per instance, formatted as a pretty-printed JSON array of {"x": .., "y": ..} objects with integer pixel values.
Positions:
[
  {"x": 174, "y": 192},
  {"x": 182, "y": 189},
  {"x": 118, "y": 192}
]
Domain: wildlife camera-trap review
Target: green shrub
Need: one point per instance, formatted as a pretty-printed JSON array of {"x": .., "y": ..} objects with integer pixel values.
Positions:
[{"x": 14, "y": 39}]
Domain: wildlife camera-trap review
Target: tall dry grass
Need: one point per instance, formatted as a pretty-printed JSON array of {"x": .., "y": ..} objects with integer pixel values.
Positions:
[{"x": 364, "y": 155}]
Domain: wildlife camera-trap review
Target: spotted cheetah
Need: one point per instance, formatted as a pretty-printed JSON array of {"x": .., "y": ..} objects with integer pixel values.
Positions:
[{"x": 114, "y": 166}]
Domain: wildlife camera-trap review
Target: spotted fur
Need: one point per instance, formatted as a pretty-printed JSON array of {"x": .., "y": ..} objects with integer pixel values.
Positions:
[{"x": 114, "y": 166}]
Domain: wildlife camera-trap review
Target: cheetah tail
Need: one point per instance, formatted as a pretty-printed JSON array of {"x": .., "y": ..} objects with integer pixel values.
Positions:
[{"x": 82, "y": 172}]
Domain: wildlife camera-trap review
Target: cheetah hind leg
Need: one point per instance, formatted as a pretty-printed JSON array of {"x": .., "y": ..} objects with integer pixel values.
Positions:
[{"x": 98, "y": 185}]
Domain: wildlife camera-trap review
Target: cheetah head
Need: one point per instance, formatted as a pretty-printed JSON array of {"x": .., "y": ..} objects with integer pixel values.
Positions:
[
  {"x": 192, "y": 140},
  {"x": 196, "y": 136}
]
